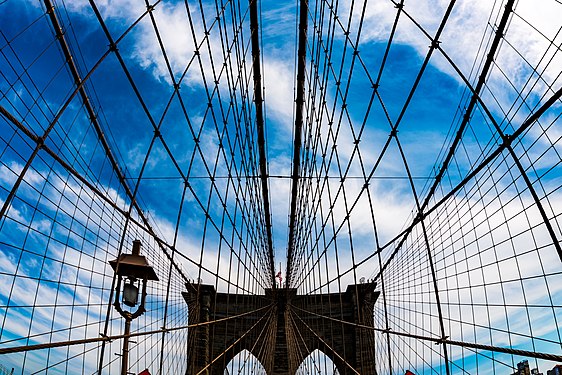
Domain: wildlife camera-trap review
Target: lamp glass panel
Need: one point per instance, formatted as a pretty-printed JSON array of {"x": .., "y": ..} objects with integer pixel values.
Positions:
[{"x": 130, "y": 293}]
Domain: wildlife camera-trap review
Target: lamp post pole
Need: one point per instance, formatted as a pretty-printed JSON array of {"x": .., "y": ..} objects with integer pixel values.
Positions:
[
  {"x": 135, "y": 268},
  {"x": 125, "y": 356}
]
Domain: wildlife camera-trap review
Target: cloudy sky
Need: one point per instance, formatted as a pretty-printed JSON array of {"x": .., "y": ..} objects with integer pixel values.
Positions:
[{"x": 488, "y": 241}]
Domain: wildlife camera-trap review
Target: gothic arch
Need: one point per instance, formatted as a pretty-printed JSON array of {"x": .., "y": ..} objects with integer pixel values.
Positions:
[
  {"x": 244, "y": 359},
  {"x": 318, "y": 360}
]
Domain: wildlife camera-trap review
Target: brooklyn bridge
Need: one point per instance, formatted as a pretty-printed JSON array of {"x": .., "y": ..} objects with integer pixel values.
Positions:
[{"x": 268, "y": 187}]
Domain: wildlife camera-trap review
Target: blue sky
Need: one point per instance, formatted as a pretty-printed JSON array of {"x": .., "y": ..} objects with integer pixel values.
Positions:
[{"x": 424, "y": 132}]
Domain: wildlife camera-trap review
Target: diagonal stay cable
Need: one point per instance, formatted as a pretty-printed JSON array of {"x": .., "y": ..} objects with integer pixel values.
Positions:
[{"x": 472, "y": 104}]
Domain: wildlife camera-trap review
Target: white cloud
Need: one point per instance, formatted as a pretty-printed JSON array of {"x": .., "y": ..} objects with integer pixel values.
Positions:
[
  {"x": 13, "y": 213},
  {"x": 278, "y": 80},
  {"x": 10, "y": 172},
  {"x": 177, "y": 39}
]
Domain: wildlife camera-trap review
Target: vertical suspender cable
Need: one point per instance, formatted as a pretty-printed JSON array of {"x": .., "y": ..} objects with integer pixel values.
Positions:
[
  {"x": 303, "y": 28},
  {"x": 258, "y": 99}
]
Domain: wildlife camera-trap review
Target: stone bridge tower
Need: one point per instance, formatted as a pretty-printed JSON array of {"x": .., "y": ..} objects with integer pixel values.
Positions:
[{"x": 316, "y": 321}]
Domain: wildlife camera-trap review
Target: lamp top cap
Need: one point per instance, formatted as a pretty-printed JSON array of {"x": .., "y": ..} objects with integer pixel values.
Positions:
[{"x": 133, "y": 265}]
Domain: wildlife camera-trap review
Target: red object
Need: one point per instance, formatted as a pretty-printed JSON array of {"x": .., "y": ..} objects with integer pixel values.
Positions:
[
  {"x": 408, "y": 372},
  {"x": 144, "y": 372},
  {"x": 278, "y": 276}
]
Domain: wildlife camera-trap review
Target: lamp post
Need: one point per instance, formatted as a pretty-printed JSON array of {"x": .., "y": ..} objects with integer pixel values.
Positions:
[{"x": 135, "y": 269}]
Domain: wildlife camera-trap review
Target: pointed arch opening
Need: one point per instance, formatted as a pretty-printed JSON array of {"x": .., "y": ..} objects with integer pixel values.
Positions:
[
  {"x": 317, "y": 362},
  {"x": 244, "y": 363}
]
